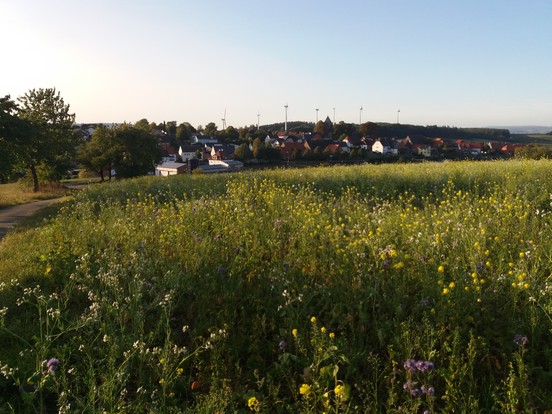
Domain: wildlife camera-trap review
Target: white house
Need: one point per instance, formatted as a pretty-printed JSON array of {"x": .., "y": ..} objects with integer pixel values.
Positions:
[
  {"x": 170, "y": 168},
  {"x": 187, "y": 152},
  {"x": 384, "y": 146}
]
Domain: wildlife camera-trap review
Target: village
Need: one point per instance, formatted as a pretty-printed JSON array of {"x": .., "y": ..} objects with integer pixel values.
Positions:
[{"x": 208, "y": 155}]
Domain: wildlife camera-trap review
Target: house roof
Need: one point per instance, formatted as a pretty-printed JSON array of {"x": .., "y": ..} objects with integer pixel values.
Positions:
[{"x": 171, "y": 165}]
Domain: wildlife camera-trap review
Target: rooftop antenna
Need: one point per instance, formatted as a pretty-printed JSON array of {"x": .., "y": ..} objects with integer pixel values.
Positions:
[{"x": 224, "y": 120}]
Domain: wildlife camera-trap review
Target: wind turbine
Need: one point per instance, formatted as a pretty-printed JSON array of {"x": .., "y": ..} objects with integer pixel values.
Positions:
[
  {"x": 224, "y": 120},
  {"x": 258, "y": 117}
]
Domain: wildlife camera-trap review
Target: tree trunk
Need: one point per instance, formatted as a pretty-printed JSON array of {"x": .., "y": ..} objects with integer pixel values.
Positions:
[{"x": 35, "y": 178}]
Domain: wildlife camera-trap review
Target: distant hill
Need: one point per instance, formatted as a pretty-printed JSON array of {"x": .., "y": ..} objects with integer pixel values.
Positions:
[{"x": 527, "y": 129}]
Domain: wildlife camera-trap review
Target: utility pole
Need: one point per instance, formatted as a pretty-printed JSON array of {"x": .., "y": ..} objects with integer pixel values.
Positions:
[{"x": 285, "y": 124}]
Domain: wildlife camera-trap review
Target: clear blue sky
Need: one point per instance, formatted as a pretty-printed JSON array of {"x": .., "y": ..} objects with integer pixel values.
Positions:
[{"x": 441, "y": 62}]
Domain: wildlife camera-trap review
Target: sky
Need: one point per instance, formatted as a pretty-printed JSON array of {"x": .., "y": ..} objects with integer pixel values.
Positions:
[{"x": 464, "y": 63}]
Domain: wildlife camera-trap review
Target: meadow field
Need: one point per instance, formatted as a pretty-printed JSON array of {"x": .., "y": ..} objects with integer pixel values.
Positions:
[{"x": 378, "y": 288}]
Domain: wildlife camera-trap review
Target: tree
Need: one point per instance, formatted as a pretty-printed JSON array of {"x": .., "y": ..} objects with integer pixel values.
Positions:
[
  {"x": 243, "y": 153},
  {"x": 140, "y": 151},
  {"x": 258, "y": 149},
  {"x": 184, "y": 132},
  {"x": 319, "y": 128},
  {"x": 368, "y": 129},
  {"x": 11, "y": 127},
  {"x": 210, "y": 129},
  {"x": 101, "y": 152},
  {"x": 49, "y": 140}
]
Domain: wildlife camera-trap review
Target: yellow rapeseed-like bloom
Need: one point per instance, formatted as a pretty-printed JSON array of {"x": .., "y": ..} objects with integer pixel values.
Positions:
[
  {"x": 332, "y": 335},
  {"x": 313, "y": 319},
  {"x": 253, "y": 403},
  {"x": 179, "y": 371},
  {"x": 446, "y": 291},
  {"x": 305, "y": 389},
  {"x": 441, "y": 269},
  {"x": 323, "y": 329},
  {"x": 339, "y": 390},
  {"x": 521, "y": 255},
  {"x": 452, "y": 285}
]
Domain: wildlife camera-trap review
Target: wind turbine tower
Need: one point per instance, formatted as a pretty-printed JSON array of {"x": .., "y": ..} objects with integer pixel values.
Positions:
[
  {"x": 224, "y": 120},
  {"x": 285, "y": 124},
  {"x": 258, "y": 117}
]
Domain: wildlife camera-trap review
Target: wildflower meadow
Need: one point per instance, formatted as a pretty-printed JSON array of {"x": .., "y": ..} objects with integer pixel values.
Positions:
[{"x": 419, "y": 288}]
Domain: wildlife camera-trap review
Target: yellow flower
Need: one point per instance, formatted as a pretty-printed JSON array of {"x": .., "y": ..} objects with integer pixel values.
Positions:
[
  {"x": 339, "y": 390},
  {"x": 452, "y": 285},
  {"x": 313, "y": 319},
  {"x": 399, "y": 265},
  {"x": 521, "y": 255},
  {"x": 323, "y": 329},
  {"x": 446, "y": 291},
  {"x": 305, "y": 389},
  {"x": 441, "y": 269},
  {"x": 162, "y": 381},
  {"x": 253, "y": 403},
  {"x": 162, "y": 361},
  {"x": 332, "y": 335},
  {"x": 179, "y": 371},
  {"x": 294, "y": 332}
]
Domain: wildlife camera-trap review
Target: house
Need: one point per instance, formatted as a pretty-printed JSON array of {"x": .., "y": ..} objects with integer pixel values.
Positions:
[
  {"x": 385, "y": 146},
  {"x": 203, "y": 139},
  {"x": 221, "y": 166},
  {"x": 289, "y": 148},
  {"x": 352, "y": 141},
  {"x": 222, "y": 152},
  {"x": 187, "y": 152},
  {"x": 170, "y": 168}
]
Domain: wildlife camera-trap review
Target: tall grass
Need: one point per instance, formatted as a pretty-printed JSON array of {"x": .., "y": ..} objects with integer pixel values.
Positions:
[
  {"x": 416, "y": 288},
  {"x": 18, "y": 193}
]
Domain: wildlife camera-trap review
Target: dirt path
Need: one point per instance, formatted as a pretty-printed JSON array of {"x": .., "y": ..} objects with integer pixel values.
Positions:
[{"x": 10, "y": 216}]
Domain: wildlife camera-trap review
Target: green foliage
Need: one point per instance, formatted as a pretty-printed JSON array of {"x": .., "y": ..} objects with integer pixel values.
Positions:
[
  {"x": 243, "y": 153},
  {"x": 197, "y": 293},
  {"x": 534, "y": 151},
  {"x": 130, "y": 150},
  {"x": 49, "y": 141}
]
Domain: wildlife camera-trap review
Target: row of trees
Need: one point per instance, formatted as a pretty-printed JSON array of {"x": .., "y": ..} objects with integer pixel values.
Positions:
[
  {"x": 129, "y": 150},
  {"x": 38, "y": 139}
]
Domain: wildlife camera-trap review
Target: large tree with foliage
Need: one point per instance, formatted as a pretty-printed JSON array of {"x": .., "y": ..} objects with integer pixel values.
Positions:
[
  {"x": 140, "y": 151},
  {"x": 101, "y": 152},
  {"x": 11, "y": 127},
  {"x": 49, "y": 142}
]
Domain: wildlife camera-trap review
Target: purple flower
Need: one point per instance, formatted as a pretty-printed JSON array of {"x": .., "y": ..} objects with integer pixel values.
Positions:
[
  {"x": 427, "y": 390},
  {"x": 282, "y": 345},
  {"x": 410, "y": 365},
  {"x": 424, "y": 366},
  {"x": 52, "y": 365},
  {"x": 520, "y": 340}
]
